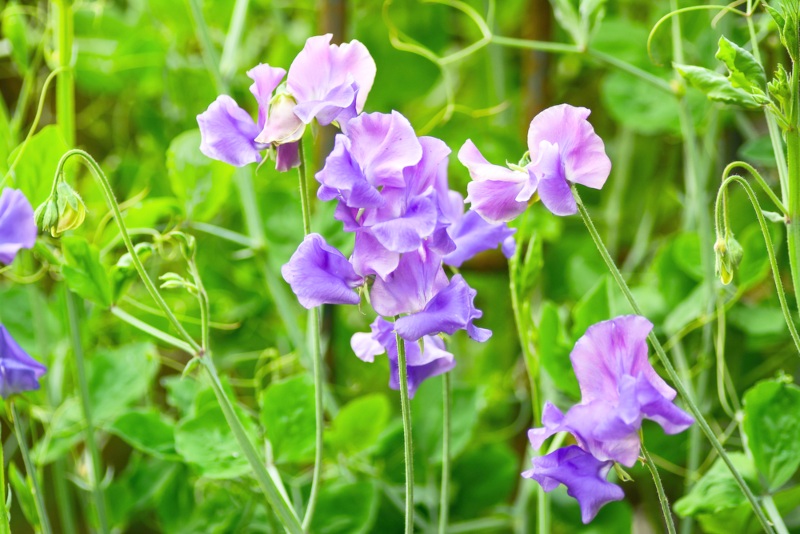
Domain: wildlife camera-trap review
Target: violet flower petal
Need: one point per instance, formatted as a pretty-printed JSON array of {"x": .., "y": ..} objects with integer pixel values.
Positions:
[
  {"x": 583, "y": 475},
  {"x": 581, "y": 149},
  {"x": 472, "y": 234},
  {"x": 228, "y": 133},
  {"x": 320, "y": 274},
  {"x": 18, "y": 371},
  {"x": 371, "y": 257},
  {"x": 17, "y": 225},
  {"x": 408, "y": 288},
  {"x": 265, "y": 80},
  {"x": 554, "y": 190}
]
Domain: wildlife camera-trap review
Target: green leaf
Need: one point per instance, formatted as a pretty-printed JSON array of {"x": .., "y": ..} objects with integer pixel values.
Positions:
[
  {"x": 84, "y": 273},
  {"x": 23, "y": 495},
  {"x": 119, "y": 377},
  {"x": 206, "y": 441},
  {"x": 287, "y": 413},
  {"x": 346, "y": 508},
  {"x": 200, "y": 183},
  {"x": 482, "y": 477},
  {"x": 772, "y": 425},
  {"x": 147, "y": 431},
  {"x": 687, "y": 254},
  {"x": 554, "y": 348},
  {"x": 36, "y": 168},
  {"x": 745, "y": 72},
  {"x": 716, "y": 86},
  {"x": 465, "y": 408},
  {"x": 592, "y": 308},
  {"x": 758, "y": 151},
  {"x": 359, "y": 424},
  {"x": 717, "y": 490},
  {"x": 568, "y": 18}
]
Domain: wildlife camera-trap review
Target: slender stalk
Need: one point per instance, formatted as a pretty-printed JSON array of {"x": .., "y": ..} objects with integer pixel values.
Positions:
[
  {"x": 5, "y": 525},
  {"x": 673, "y": 375},
  {"x": 83, "y": 386},
  {"x": 313, "y": 339},
  {"x": 775, "y": 515},
  {"x": 210, "y": 56},
  {"x": 65, "y": 89},
  {"x": 405, "y": 406},
  {"x": 759, "y": 180},
  {"x": 662, "y": 496},
  {"x": 793, "y": 156},
  {"x": 38, "y": 496},
  {"x": 153, "y": 331},
  {"x": 277, "y": 500},
  {"x": 444, "y": 495},
  {"x": 111, "y": 200}
]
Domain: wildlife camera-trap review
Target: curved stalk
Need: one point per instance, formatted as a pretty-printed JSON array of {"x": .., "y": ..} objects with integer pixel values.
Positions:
[
  {"x": 38, "y": 496},
  {"x": 673, "y": 375}
]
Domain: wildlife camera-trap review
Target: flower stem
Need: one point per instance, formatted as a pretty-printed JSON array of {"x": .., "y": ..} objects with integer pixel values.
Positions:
[
  {"x": 673, "y": 375},
  {"x": 277, "y": 500},
  {"x": 775, "y": 515},
  {"x": 38, "y": 496},
  {"x": 315, "y": 353},
  {"x": 65, "y": 89},
  {"x": 662, "y": 496},
  {"x": 405, "y": 406},
  {"x": 5, "y": 525},
  {"x": 83, "y": 386},
  {"x": 793, "y": 157},
  {"x": 444, "y": 496}
]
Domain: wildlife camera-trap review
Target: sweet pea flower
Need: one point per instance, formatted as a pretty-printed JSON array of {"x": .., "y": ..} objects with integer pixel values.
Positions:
[
  {"x": 17, "y": 225},
  {"x": 432, "y": 360},
  {"x": 326, "y": 82},
  {"x": 583, "y": 475},
  {"x": 18, "y": 371},
  {"x": 472, "y": 234},
  {"x": 563, "y": 149}
]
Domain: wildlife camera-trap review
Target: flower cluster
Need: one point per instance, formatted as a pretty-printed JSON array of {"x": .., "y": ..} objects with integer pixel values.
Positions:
[
  {"x": 563, "y": 149},
  {"x": 325, "y": 82},
  {"x": 18, "y": 371},
  {"x": 619, "y": 389},
  {"x": 392, "y": 192}
]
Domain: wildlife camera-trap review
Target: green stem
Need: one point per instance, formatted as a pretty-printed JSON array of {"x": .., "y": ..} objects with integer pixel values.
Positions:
[
  {"x": 111, "y": 200},
  {"x": 277, "y": 500},
  {"x": 444, "y": 495},
  {"x": 405, "y": 406},
  {"x": 83, "y": 386},
  {"x": 38, "y": 496},
  {"x": 5, "y": 525},
  {"x": 227, "y": 65},
  {"x": 65, "y": 89},
  {"x": 673, "y": 375},
  {"x": 793, "y": 153},
  {"x": 662, "y": 496},
  {"x": 721, "y": 226},
  {"x": 153, "y": 331},
  {"x": 760, "y": 181},
  {"x": 775, "y": 515},
  {"x": 210, "y": 56}
]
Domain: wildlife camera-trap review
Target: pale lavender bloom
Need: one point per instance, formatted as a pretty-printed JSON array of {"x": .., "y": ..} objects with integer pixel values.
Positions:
[
  {"x": 228, "y": 133},
  {"x": 330, "y": 82},
  {"x": 320, "y": 274},
  {"x": 18, "y": 371},
  {"x": 432, "y": 360},
  {"x": 17, "y": 225},
  {"x": 473, "y": 234},
  {"x": 563, "y": 149},
  {"x": 583, "y": 475},
  {"x": 418, "y": 277},
  {"x": 619, "y": 389}
]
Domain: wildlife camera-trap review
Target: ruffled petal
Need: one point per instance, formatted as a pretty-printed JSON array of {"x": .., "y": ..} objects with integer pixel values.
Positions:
[
  {"x": 265, "y": 80},
  {"x": 472, "y": 234},
  {"x": 17, "y": 225},
  {"x": 417, "y": 278},
  {"x": 18, "y": 371},
  {"x": 228, "y": 133}
]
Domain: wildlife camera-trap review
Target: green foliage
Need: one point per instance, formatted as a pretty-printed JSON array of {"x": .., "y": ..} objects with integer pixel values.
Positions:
[
  {"x": 346, "y": 507},
  {"x": 359, "y": 424},
  {"x": 84, "y": 273},
  {"x": 287, "y": 413}
]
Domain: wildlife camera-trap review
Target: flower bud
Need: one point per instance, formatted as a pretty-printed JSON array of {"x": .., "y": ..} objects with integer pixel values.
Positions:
[
  {"x": 46, "y": 215},
  {"x": 71, "y": 210},
  {"x": 729, "y": 255},
  {"x": 282, "y": 126}
]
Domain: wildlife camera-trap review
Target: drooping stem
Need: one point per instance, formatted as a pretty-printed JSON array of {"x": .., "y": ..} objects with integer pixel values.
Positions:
[
  {"x": 444, "y": 493},
  {"x": 313, "y": 341},
  {"x": 662, "y": 496},
  {"x": 405, "y": 407},
  {"x": 673, "y": 375},
  {"x": 38, "y": 496},
  {"x": 83, "y": 386},
  {"x": 277, "y": 500}
]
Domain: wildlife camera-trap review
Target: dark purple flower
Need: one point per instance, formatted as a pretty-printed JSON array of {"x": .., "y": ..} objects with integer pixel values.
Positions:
[
  {"x": 18, "y": 371},
  {"x": 563, "y": 149},
  {"x": 421, "y": 363},
  {"x": 320, "y": 274},
  {"x": 17, "y": 225},
  {"x": 473, "y": 234},
  {"x": 583, "y": 475}
]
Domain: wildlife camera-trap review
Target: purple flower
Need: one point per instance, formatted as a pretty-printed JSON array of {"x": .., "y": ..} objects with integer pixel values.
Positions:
[
  {"x": 568, "y": 151},
  {"x": 421, "y": 363},
  {"x": 619, "y": 389},
  {"x": 330, "y": 82},
  {"x": 418, "y": 277},
  {"x": 17, "y": 225},
  {"x": 320, "y": 274},
  {"x": 563, "y": 149},
  {"x": 228, "y": 133},
  {"x": 473, "y": 234},
  {"x": 18, "y": 371},
  {"x": 583, "y": 475}
]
